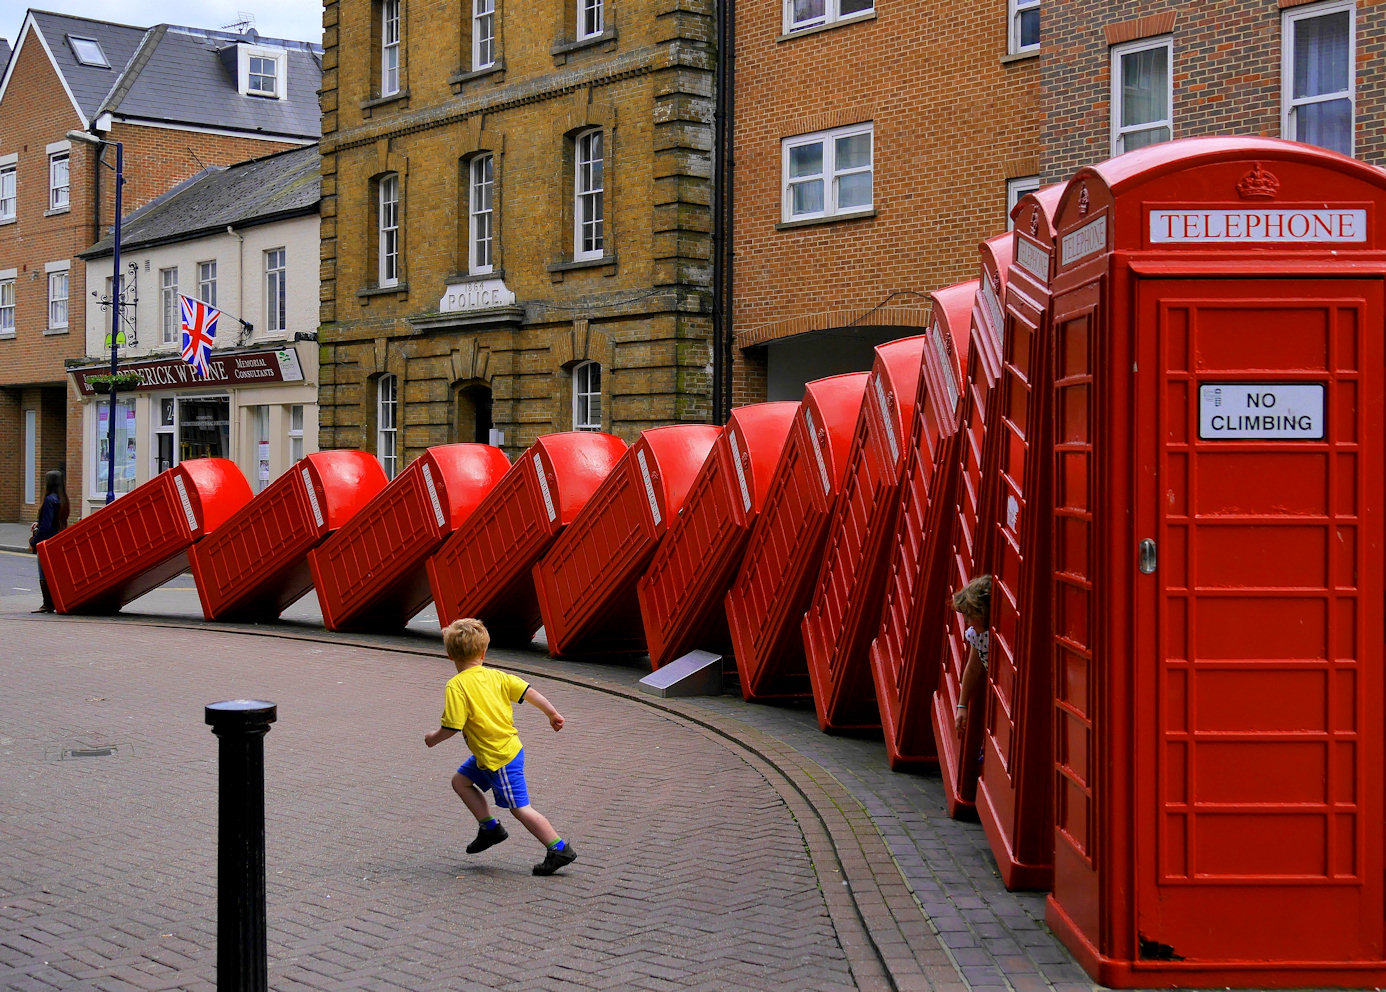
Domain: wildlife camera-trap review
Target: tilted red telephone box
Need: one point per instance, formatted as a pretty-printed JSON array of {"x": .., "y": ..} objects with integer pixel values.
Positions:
[
  {"x": 140, "y": 541},
  {"x": 586, "y": 580},
  {"x": 683, "y": 587},
  {"x": 370, "y": 574},
  {"x": 1218, "y": 624},
  {"x": 485, "y": 568},
  {"x": 1016, "y": 786},
  {"x": 968, "y": 557},
  {"x": 772, "y": 588},
  {"x": 256, "y": 564},
  {"x": 904, "y": 652},
  {"x": 845, "y": 608}
]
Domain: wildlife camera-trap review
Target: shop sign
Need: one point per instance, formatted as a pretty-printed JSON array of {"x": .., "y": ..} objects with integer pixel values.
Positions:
[{"x": 246, "y": 368}]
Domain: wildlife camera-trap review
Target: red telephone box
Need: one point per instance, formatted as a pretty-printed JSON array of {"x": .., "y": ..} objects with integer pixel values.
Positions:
[
  {"x": 586, "y": 580},
  {"x": 370, "y": 574},
  {"x": 845, "y": 608},
  {"x": 771, "y": 590},
  {"x": 140, "y": 541},
  {"x": 681, "y": 591},
  {"x": 1218, "y": 493},
  {"x": 484, "y": 569},
  {"x": 904, "y": 653},
  {"x": 977, "y": 414},
  {"x": 256, "y": 564},
  {"x": 1016, "y": 786}
]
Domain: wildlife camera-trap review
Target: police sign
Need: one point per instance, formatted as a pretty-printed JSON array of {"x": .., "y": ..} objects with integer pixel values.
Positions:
[{"x": 1237, "y": 411}]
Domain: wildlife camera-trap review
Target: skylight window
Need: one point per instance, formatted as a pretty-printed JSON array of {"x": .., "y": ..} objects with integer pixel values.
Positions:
[{"x": 88, "y": 51}]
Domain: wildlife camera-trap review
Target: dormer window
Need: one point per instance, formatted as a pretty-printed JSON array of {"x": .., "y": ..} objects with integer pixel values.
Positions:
[
  {"x": 262, "y": 71},
  {"x": 88, "y": 51}
]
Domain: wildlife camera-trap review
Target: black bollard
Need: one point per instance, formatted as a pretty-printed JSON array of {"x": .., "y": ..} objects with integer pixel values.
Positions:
[{"x": 240, "y": 725}]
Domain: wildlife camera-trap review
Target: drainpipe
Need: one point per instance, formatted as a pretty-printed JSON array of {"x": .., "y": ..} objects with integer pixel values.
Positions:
[
  {"x": 240, "y": 276},
  {"x": 723, "y": 254}
]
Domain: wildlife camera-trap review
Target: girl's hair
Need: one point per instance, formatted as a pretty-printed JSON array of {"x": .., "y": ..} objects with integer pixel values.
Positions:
[
  {"x": 466, "y": 639},
  {"x": 52, "y": 482},
  {"x": 975, "y": 597}
]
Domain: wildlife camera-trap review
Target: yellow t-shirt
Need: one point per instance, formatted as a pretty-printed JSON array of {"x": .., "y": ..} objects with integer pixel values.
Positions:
[{"x": 477, "y": 702}]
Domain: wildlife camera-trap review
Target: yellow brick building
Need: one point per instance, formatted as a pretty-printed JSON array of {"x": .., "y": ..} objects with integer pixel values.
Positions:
[{"x": 515, "y": 220}]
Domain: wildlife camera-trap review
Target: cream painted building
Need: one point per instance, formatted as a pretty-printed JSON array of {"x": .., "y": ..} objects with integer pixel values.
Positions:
[{"x": 244, "y": 239}]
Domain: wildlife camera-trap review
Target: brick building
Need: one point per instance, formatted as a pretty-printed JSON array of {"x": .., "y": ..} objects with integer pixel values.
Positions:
[
  {"x": 1115, "y": 76},
  {"x": 875, "y": 145},
  {"x": 57, "y": 195},
  {"x": 515, "y": 220}
]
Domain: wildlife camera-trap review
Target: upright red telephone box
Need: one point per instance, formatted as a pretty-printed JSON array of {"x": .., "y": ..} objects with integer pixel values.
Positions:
[
  {"x": 845, "y": 608},
  {"x": 1016, "y": 786},
  {"x": 904, "y": 653},
  {"x": 971, "y": 540},
  {"x": 1220, "y": 450},
  {"x": 682, "y": 589},
  {"x": 768, "y": 597}
]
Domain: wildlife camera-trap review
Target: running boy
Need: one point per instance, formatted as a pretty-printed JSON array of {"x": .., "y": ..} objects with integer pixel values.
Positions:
[
  {"x": 973, "y": 601},
  {"x": 477, "y": 703}
]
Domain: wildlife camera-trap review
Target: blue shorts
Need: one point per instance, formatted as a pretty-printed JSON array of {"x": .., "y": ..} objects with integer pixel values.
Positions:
[{"x": 508, "y": 783}]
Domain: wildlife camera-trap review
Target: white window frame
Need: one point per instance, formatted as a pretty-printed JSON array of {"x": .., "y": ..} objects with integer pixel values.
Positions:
[
  {"x": 1118, "y": 52},
  {"x": 295, "y": 433},
  {"x": 280, "y": 58},
  {"x": 481, "y": 232},
  {"x": 9, "y": 188},
  {"x": 483, "y": 34},
  {"x": 1289, "y": 21},
  {"x": 832, "y": 14},
  {"x": 8, "y": 281},
  {"x": 1015, "y": 189},
  {"x": 276, "y": 289},
  {"x": 59, "y": 296},
  {"x": 92, "y": 56},
  {"x": 829, "y": 176},
  {"x": 387, "y": 423},
  {"x": 387, "y": 223},
  {"x": 586, "y": 395},
  {"x": 30, "y": 456},
  {"x": 390, "y": 49},
  {"x": 1016, "y": 9},
  {"x": 589, "y": 195},
  {"x": 591, "y": 19},
  {"x": 207, "y": 282},
  {"x": 170, "y": 311},
  {"x": 59, "y": 181}
]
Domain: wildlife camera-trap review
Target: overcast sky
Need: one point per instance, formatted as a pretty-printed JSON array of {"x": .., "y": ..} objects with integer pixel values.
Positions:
[{"x": 299, "y": 20}]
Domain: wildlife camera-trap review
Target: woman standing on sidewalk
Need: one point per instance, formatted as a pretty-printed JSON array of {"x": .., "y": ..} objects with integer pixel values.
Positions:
[{"x": 51, "y": 519}]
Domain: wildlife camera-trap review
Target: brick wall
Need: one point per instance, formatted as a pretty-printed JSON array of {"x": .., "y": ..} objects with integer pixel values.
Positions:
[
  {"x": 642, "y": 311},
  {"x": 953, "y": 119},
  {"x": 1227, "y": 72}
]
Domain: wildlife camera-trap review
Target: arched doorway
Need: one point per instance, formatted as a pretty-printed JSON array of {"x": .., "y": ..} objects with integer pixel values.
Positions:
[{"x": 471, "y": 412}]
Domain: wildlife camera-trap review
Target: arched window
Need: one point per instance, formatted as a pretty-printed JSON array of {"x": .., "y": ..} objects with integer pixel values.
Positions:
[
  {"x": 386, "y": 424},
  {"x": 587, "y": 397}
]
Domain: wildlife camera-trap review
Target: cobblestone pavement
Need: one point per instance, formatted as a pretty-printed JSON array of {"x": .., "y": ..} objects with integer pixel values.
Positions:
[{"x": 722, "y": 845}]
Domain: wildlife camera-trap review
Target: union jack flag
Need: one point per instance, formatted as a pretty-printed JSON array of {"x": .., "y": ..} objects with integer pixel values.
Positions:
[{"x": 199, "y": 333}]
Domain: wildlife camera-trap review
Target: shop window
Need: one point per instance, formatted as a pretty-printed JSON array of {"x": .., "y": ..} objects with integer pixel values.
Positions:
[
  {"x": 30, "y": 455},
  {"x": 1317, "y": 75},
  {"x": 828, "y": 174},
  {"x": 295, "y": 433},
  {"x": 260, "y": 454},
  {"x": 1015, "y": 189},
  {"x": 386, "y": 424},
  {"x": 1142, "y": 94},
  {"x": 480, "y": 230},
  {"x": 589, "y": 194},
  {"x": 204, "y": 427},
  {"x": 124, "y": 448},
  {"x": 800, "y": 15},
  {"x": 1024, "y": 26},
  {"x": 587, "y": 397}
]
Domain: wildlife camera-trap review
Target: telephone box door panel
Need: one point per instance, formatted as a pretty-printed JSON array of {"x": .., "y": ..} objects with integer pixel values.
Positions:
[{"x": 1258, "y": 629}]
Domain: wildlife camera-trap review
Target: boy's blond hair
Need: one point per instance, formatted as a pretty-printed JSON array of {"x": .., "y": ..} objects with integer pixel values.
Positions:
[
  {"x": 975, "y": 597},
  {"x": 466, "y": 639}
]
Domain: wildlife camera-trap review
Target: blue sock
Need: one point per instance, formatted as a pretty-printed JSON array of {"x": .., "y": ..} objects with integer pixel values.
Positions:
[
  {"x": 491, "y": 824},
  {"x": 557, "y": 845}
]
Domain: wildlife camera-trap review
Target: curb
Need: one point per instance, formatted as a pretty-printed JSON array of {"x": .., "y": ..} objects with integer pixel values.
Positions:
[{"x": 889, "y": 942}]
